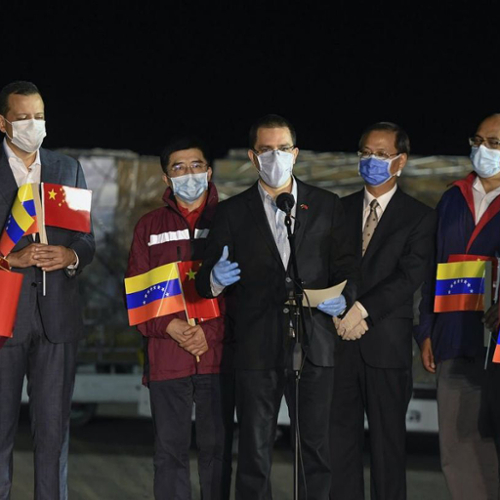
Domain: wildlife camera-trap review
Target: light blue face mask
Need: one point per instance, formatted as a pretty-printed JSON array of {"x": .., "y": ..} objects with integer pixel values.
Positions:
[
  {"x": 486, "y": 162},
  {"x": 190, "y": 187},
  {"x": 375, "y": 171},
  {"x": 276, "y": 167}
]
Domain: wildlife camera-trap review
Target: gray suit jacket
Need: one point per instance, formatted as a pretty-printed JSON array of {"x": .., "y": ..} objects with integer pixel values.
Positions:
[{"x": 60, "y": 309}]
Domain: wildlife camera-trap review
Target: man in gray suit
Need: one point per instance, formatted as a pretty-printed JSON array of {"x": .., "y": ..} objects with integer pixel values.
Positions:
[{"x": 48, "y": 327}]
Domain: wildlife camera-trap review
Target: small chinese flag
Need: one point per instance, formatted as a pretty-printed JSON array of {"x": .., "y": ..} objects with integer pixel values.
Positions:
[
  {"x": 10, "y": 289},
  {"x": 196, "y": 306},
  {"x": 67, "y": 207}
]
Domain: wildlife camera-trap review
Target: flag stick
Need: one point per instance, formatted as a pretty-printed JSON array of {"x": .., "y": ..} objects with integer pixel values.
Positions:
[
  {"x": 43, "y": 239},
  {"x": 40, "y": 209},
  {"x": 191, "y": 321}
]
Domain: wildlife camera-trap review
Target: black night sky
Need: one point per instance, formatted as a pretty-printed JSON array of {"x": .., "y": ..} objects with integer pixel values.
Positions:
[{"x": 127, "y": 78}]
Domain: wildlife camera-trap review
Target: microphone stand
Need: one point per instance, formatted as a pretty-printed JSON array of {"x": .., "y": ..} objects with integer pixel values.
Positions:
[{"x": 297, "y": 356}]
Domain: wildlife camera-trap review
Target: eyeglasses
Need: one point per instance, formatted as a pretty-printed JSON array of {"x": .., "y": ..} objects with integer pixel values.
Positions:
[
  {"x": 491, "y": 143},
  {"x": 283, "y": 149},
  {"x": 379, "y": 155},
  {"x": 196, "y": 167}
]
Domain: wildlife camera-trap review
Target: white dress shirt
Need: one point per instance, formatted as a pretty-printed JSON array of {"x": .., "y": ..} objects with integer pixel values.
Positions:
[
  {"x": 482, "y": 200},
  {"x": 383, "y": 201},
  {"x": 23, "y": 174},
  {"x": 276, "y": 220}
]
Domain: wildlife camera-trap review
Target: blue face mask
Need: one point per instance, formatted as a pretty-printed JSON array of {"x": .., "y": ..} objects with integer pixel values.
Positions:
[
  {"x": 190, "y": 187},
  {"x": 375, "y": 171}
]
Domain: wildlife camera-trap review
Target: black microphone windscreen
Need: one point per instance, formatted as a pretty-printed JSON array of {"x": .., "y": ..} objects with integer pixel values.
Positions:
[{"x": 285, "y": 202}]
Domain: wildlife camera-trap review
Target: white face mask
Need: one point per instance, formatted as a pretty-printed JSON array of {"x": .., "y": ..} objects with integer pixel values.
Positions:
[
  {"x": 275, "y": 167},
  {"x": 486, "y": 162},
  {"x": 190, "y": 187},
  {"x": 28, "y": 134}
]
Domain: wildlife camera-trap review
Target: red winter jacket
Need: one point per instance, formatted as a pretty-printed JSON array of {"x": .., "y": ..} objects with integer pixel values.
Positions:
[{"x": 160, "y": 237}]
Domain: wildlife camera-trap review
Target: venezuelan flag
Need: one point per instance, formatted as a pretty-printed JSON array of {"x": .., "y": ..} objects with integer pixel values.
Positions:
[
  {"x": 21, "y": 221},
  {"x": 155, "y": 293},
  {"x": 460, "y": 286},
  {"x": 496, "y": 354}
]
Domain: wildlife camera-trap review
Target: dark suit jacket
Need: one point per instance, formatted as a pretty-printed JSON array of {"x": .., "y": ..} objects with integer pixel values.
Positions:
[
  {"x": 392, "y": 270},
  {"x": 255, "y": 306},
  {"x": 61, "y": 308}
]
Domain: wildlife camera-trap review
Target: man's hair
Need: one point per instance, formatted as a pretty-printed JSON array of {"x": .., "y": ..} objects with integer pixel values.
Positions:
[
  {"x": 270, "y": 121},
  {"x": 20, "y": 88},
  {"x": 402, "y": 141},
  {"x": 180, "y": 144}
]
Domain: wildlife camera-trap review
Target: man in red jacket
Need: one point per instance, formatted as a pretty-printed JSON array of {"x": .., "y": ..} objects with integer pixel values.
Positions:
[{"x": 176, "y": 380}]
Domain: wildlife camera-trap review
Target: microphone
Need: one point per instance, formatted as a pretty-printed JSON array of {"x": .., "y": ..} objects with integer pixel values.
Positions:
[{"x": 285, "y": 202}]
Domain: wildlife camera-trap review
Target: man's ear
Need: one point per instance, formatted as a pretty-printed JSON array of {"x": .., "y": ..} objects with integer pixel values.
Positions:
[
  {"x": 253, "y": 158},
  {"x": 399, "y": 164}
]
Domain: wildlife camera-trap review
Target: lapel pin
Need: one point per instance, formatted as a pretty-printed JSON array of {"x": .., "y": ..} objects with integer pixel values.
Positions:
[{"x": 304, "y": 206}]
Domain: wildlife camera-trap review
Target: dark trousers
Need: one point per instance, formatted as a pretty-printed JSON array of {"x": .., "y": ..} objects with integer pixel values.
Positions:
[
  {"x": 50, "y": 369},
  {"x": 384, "y": 395},
  {"x": 469, "y": 415},
  {"x": 171, "y": 405},
  {"x": 258, "y": 397}
]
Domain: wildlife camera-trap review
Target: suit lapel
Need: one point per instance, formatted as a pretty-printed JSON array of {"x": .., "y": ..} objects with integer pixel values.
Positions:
[
  {"x": 49, "y": 171},
  {"x": 357, "y": 221},
  {"x": 386, "y": 226},
  {"x": 256, "y": 208},
  {"x": 8, "y": 184},
  {"x": 304, "y": 204}
]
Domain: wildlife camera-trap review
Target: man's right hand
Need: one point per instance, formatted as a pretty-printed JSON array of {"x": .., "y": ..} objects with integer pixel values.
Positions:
[
  {"x": 225, "y": 272},
  {"x": 356, "y": 332},
  {"x": 427, "y": 355},
  {"x": 25, "y": 257},
  {"x": 177, "y": 329}
]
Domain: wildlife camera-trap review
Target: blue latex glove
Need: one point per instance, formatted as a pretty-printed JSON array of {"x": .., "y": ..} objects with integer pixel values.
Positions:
[
  {"x": 333, "y": 307},
  {"x": 225, "y": 272}
]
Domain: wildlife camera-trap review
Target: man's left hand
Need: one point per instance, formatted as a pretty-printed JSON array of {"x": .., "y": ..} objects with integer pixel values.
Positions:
[
  {"x": 353, "y": 318},
  {"x": 196, "y": 344},
  {"x": 333, "y": 307},
  {"x": 490, "y": 318},
  {"x": 54, "y": 257}
]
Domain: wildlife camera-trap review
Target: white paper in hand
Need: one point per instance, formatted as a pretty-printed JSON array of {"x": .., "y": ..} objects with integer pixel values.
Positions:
[{"x": 317, "y": 296}]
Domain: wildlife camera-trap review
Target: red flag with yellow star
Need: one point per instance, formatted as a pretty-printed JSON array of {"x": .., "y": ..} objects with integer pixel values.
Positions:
[
  {"x": 10, "y": 289},
  {"x": 67, "y": 207},
  {"x": 196, "y": 306}
]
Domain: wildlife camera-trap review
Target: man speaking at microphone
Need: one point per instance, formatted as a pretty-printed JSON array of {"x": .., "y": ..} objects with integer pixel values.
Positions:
[{"x": 248, "y": 259}]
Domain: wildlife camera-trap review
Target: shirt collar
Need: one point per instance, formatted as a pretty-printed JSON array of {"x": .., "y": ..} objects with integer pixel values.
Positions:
[
  {"x": 383, "y": 200},
  {"x": 266, "y": 197},
  {"x": 11, "y": 155},
  {"x": 477, "y": 185}
]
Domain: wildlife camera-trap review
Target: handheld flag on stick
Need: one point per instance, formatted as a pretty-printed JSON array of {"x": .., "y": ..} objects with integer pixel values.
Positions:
[
  {"x": 10, "y": 289},
  {"x": 165, "y": 290},
  {"x": 196, "y": 306},
  {"x": 155, "y": 293},
  {"x": 460, "y": 286},
  {"x": 67, "y": 207},
  {"x": 496, "y": 354},
  {"x": 21, "y": 221}
]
